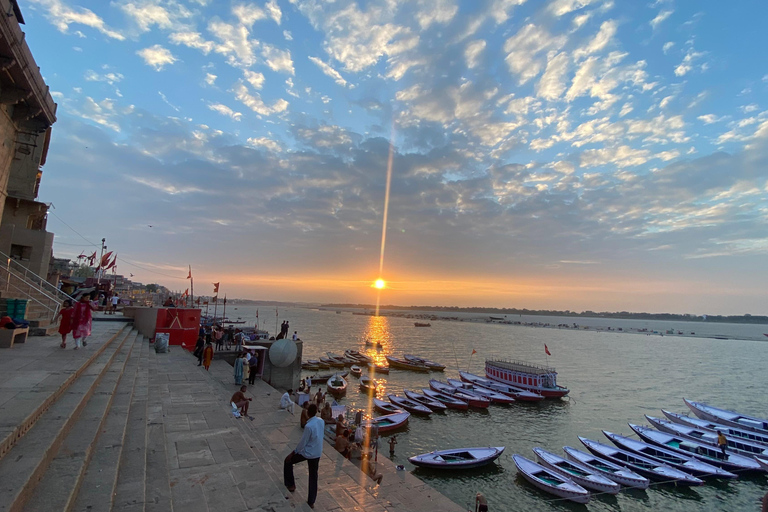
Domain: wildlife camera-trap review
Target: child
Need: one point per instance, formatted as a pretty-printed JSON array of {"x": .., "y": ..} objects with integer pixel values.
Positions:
[
  {"x": 392, "y": 443},
  {"x": 65, "y": 327}
]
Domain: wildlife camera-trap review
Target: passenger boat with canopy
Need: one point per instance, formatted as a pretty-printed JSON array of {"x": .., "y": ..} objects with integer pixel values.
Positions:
[
  {"x": 538, "y": 379},
  {"x": 513, "y": 391}
]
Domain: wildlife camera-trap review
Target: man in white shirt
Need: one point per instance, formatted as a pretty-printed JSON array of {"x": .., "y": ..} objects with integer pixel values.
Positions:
[
  {"x": 286, "y": 402},
  {"x": 310, "y": 448},
  {"x": 295, "y": 335}
]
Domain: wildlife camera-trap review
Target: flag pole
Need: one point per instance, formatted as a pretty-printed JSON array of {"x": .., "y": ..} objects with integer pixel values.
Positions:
[
  {"x": 224, "y": 314},
  {"x": 276, "y": 322},
  {"x": 215, "y": 307}
]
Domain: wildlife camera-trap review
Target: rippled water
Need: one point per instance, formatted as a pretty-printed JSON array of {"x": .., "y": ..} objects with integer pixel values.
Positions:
[{"x": 613, "y": 377}]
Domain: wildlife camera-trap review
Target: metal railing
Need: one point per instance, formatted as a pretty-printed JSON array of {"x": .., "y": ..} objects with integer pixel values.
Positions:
[
  {"x": 22, "y": 281},
  {"x": 27, "y": 275}
]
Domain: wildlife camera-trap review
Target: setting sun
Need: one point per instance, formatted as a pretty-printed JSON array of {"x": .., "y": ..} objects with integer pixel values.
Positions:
[{"x": 379, "y": 284}]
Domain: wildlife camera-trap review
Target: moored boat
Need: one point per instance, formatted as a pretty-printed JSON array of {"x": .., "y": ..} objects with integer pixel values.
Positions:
[
  {"x": 583, "y": 476},
  {"x": 763, "y": 463},
  {"x": 494, "y": 396},
  {"x": 711, "y": 426},
  {"x": 309, "y": 366},
  {"x": 734, "y": 445},
  {"x": 649, "y": 468},
  {"x": 615, "y": 472},
  {"x": 368, "y": 385},
  {"x": 421, "y": 324},
  {"x": 355, "y": 370},
  {"x": 425, "y": 400},
  {"x": 319, "y": 379},
  {"x": 472, "y": 399},
  {"x": 449, "y": 401},
  {"x": 531, "y": 377},
  {"x": 332, "y": 363},
  {"x": 409, "y": 405},
  {"x": 457, "y": 458},
  {"x": 337, "y": 385},
  {"x": 378, "y": 368},
  {"x": 435, "y": 367},
  {"x": 354, "y": 354},
  {"x": 513, "y": 391},
  {"x": 707, "y": 412},
  {"x": 388, "y": 422},
  {"x": 386, "y": 407},
  {"x": 402, "y": 364},
  {"x": 549, "y": 481}
]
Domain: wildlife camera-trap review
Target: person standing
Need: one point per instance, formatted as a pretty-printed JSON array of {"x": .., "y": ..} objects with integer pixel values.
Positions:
[
  {"x": 287, "y": 326},
  {"x": 392, "y": 443},
  {"x": 309, "y": 449},
  {"x": 207, "y": 355},
  {"x": 82, "y": 320},
  {"x": 722, "y": 442},
  {"x": 218, "y": 335},
  {"x": 253, "y": 367},
  {"x": 115, "y": 302},
  {"x": 238, "y": 370},
  {"x": 199, "y": 347},
  {"x": 246, "y": 367},
  {"x": 65, "y": 327}
]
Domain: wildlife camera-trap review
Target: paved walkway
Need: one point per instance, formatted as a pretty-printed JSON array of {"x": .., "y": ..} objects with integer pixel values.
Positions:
[{"x": 218, "y": 463}]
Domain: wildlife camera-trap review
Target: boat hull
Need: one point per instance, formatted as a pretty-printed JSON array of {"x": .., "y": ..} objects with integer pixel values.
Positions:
[
  {"x": 586, "y": 478},
  {"x": 727, "y": 417},
  {"x": 540, "y": 477},
  {"x": 460, "y": 458},
  {"x": 609, "y": 470},
  {"x": 449, "y": 401},
  {"x": 409, "y": 405}
]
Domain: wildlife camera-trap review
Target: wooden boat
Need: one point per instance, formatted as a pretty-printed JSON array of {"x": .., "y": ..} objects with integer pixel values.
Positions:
[
  {"x": 425, "y": 400},
  {"x": 513, "y": 391},
  {"x": 354, "y": 354},
  {"x": 649, "y": 468},
  {"x": 409, "y": 405},
  {"x": 457, "y": 458},
  {"x": 711, "y": 426},
  {"x": 402, "y": 364},
  {"x": 319, "y": 379},
  {"x": 583, "y": 476},
  {"x": 472, "y": 399},
  {"x": 733, "y": 462},
  {"x": 355, "y": 370},
  {"x": 420, "y": 324},
  {"x": 549, "y": 481},
  {"x": 449, "y": 401},
  {"x": 376, "y": 344},
  {"x": 433, "y": 366},
  {"x": 332, "y": 363},
  {"x": 388, "y": 422},
  {"x": 346, "y": 361},
  {"x": 493, "y": 396},
  {"x": 735, "y": 445},
  {"x": 734, "y": 419},
  {"x": 308, "y": 366},
  {"x": 368, "y": 385},
  {"x": 378, "y": 368},
  {"x": 386, "y": 407},
  {"x": 615, "y": 472},
  {"x": 685, "y": 463},
  {"x": 320, "y": 364},
  {"x": 337, "y": 386},
  {"x": 531, "y": 377}
]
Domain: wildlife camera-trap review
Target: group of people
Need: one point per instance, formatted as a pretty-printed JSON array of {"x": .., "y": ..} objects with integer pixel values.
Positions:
[
  {"x": 222, "y": 337},
  {"x": 284, "y": 332},
  {"x": 246, "y": 367},
  {"x": 77, "y": 319}
]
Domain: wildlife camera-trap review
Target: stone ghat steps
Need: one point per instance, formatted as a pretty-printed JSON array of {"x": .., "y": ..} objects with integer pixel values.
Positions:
[{"x": 59, "y": 433}]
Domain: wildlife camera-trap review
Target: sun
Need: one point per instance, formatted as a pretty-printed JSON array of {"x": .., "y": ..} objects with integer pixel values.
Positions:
[{"x": 380, "y": 284}]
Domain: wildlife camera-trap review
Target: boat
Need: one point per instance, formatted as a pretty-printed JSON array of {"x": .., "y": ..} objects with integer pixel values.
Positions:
[
  {"x": 615, "y": 472},
  {"x": 649, "y": 468},
  {"x": 435, "y": 367},
  {"x": 494, "y": 396},
  {"x": 513, "y": 391},
  {"x": 472, "y": 399},
  {"x": 368, "y": 385},
  {"x": 409, "y": 405},
  {"x": 388, "y": 422},
  {"x": 321, "y": 365},
  {"x": 457, "y": 458},
  {"x": 402, "y": 364},
  {"x": 337, "y": 386},
  {"x": 346, "y": 361},
  {"x": 332, "y": 363},
  {"x": 580, "y": 474},
  {"x": 355, "y": 370},
  {"x": 735, "y": 445},
  {"x": 379, "y": 368},
  {"x": 732, "y": 462},
  {"x": 707, "y": 412},
  {"x": 449, "y": 401},
  {"x": 354, "y": 354},
  {"x": 549, "y": 481},
  {"x": 710, "y": 426},
  {"x": 373, "y": 343},
  {"x": 425, "y": 400},
  {"x": 309, "y": 366},
  {"x": 386, "y": 407},
  {"x": 685, "y": 463},
  {"x": 420, "y": 324},
  {"x": 531, "y": 377},
  {"x": 319, "y": 379},
  {"x": 763, "y": 463}
]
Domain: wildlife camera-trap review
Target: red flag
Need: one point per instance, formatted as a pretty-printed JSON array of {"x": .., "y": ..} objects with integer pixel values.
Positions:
[
  {"x": 215, "y": 287},
  {"x": 112, "y": 264},
  {"x": 190, "y": 272},
  {"x": 92, "y": 258},
  {"x": 215, "y": 298},
  {"x": 547, "y": 350},
  {"x": 474, "y": 351},
  {"x": 82, "y": 255},
  {"x": 185, "y": 294},
  {"x": 105, "y": 259}
]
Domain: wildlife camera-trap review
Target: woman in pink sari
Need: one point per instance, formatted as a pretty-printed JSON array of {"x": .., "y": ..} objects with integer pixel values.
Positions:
[{"x": 81, "y": 320}]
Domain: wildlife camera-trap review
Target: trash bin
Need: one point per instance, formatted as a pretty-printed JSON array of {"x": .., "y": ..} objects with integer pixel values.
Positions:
[
  {"x": 20, "y": 311},
  {"x": 10, "y": 305},
  {"x": 161, "y": 342}
]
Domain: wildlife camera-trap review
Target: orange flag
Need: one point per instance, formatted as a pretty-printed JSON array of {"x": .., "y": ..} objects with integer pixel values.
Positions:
[
  {"x": 215, "y": 288},
  {"x": 547, "y": 350},
  {"x": 474, "y": 351}
]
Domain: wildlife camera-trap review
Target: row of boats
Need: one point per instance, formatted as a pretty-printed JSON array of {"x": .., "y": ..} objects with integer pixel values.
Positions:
[
  {"x": 680, "y": 450},
  {"x": 356, "y": 360}
]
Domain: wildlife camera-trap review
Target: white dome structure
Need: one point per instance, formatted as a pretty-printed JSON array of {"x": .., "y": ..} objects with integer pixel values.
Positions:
[{"x": 282, "y": 353}]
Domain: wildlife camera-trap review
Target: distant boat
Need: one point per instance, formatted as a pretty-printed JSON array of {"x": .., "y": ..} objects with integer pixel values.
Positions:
[
  {"x": 419, "y": 324},
  {"x": 494, "y": 396},
  {"x": 549, "y": 481},
  {"x": 435, "y": 367},
  {"x": 409, "y": 405},
  {"x": 379, "y": 368},
  {"x": 513, "y": 391},
  {"x": 735, "y": 444},
  {"x": 457, "y": 458},
  {"x": 368, "y": 385},
  {"x": 495, "y": 318},
  {"x": 386, "y": 407},
  {"x": 338, "y": 312},
  {"x": 448, "y": 400},
  {"x": 472, "y": 399},
  {"x": 355, "y": 370},
  {"x": 403, "y": 364},
  {"x": 711, "y": 426}
]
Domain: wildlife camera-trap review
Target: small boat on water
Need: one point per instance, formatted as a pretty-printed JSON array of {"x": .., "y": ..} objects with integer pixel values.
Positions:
[
  {"x": 386, "y": 407},
  {"x": 320, "y": 364},
  {"x": 354, "y": 354},
  {"x": 649, "y": 468},
  {"x": 425, "y": 400},
  {"x": 337, "y": 385},
  {"x": 472, "y": 399},
  {"x": 449, "y": 401},
  {"x": 379, "y": 368},
  {"x": 707, "y": 412},
  {"x": 531, "y": 377},
  {"x": 457, "y": 458},
  {"x": 513, "y": 391},
  {"x": 615, "y": 472},
  {"x": 309, "y": 366},
  {"x": 373, "y": 343},
  {"x": 409, "y": 405},
  {"x": 319, "y": 379},
  {"x": 388, "y": 422},
  {"x": 685, "y": 463},
  {"x": 420, "y": 324},
  {"x": 368, "y": 385},
  {"x": 731, "y": 462},
  {"x": 735, "y": 445},
  {"x": 580, "y": 474},
  {"x": 549, "y": 481},
  {"x": 435, "y": 367},
  {"x": 710, "y": 426},
  {"x": 494, "y": 396},
  {"x": 332, "y": 363},
  {"x": 402, "y": 364},
  {"x": 355, "y": 370}
]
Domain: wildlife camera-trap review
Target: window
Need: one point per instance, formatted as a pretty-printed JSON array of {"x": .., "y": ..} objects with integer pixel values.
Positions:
[{"x": 21, "y": 252}]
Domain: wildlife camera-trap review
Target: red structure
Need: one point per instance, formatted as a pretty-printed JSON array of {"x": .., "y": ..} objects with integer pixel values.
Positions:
[{"x": 182, "y": 324}]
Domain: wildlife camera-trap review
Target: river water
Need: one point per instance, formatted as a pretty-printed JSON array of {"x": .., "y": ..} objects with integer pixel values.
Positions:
[{"x": 614, "y": 377}]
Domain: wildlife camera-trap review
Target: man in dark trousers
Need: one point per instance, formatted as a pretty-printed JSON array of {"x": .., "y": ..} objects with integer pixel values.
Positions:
[
  {"x": 199, "y": 350},
  {"x": 309, "y": 449}
]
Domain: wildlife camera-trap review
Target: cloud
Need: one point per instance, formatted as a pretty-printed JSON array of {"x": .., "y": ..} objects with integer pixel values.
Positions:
[
  {"x": 562, "y": 7},
  {"x": 274, "y": 11},
  {"x": 600, "y": 41},
  {"x": 688, "y": 62},
  {"x": 663, "y": 15},
  {"x": 472, "y": 52},
  {"x": 157, "y": 57},
  {"x": 709, "y": 118},
  {"x": 110, "y": 78},
  {"x": 62, "y": 16},
  {"x": 248, "y": 14},
  {"x": 255, "y": 103},
  {"x": 255, "y": 79},
  {"x": 621, "y": 156},
  {"x": 523, "y": 50},
  {"x": 234, "y": 42},
  {"x": 145, "y": 15},
  {"x": 329, "y": 71},
  {"x": 264, "y": 142},
  {"x": 552, "y": 83},
  {"x": 435, "y": 11},
  {"x": 225, "y": 111},
  {"x": 277, "y": 59},
  {"x": 210, "y": 78},
  {"x": 192, "y": 40},
  {"x": 667, "y": 46}
]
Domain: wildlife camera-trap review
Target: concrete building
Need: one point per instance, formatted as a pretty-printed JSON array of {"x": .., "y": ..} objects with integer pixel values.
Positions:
[{"x": 27, "y": 112}]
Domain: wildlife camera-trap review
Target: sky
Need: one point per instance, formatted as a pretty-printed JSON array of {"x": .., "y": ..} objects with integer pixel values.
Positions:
[{"x": 570, "y": 154}]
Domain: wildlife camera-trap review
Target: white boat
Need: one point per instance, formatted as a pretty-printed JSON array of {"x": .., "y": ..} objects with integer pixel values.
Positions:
[
  {"x": 388, "y": 422},
  {"x": 735, "y": 445},
  {"x": 513, "y": 391},
  {"x": 474, "y": 400},
  {"x": 386, "y": 407},
  {"x": 449, "y": 401},
  {"x": 711, "y": 426},
  {"x": 494, "y": 396},
  {"x": 409, "y": 405},
  {"x": 583, "y": 476},
  {"x": 615, "y": 472},
  {"x": 458, "y": 458},
  {"x": 649, "y": 468},
  {"x": 549, "y": 481},
  {"x": 425, "y": 400},
  {"x": 707, "y": 412},
  {"x": 763, "y": 463}
]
